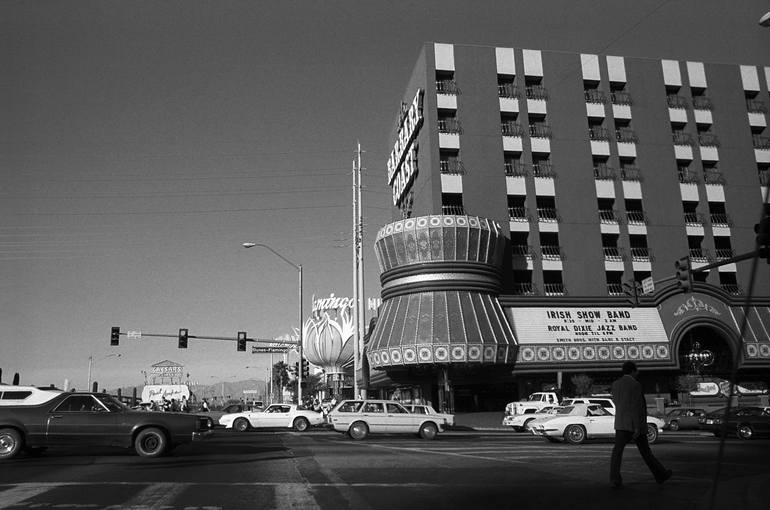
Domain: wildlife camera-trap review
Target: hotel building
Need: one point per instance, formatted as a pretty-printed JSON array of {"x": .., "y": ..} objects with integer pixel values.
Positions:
[{"x": 529, "y": 186}]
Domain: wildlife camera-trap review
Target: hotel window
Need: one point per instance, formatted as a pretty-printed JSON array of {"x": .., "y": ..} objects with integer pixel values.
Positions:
[
  {"x": 520, "y": 246},
  {"x": 634, "y": 212},
  {"x": 445, "y": 83},
  {"x": 597, "y": 131},
  {"x": 763, "y": 171},
  {"x": 447, "y": 121},
  {"x": 539, "y": 129},
  {"x": 541, "y": 167},
  {"x": 685, "y": 174},
  {"x": 513, "y": 165},
  {"x": 452, "y": 203},
  {"x": 546, "y": 209},
  {"x": 602, "y": 170},
  {"x": 639, "y": 249},
  {"x": 610, "y": 247},
  {"x": 619, "y": 93},
  {"x": 674, "y": 99},
  {"x": 696, "y": 251},
  {"x": 449, "y": 162},
  {"x": 614, "y": 282},
  {"x": 629, "y": 171},
  {"x": 553, "y": 285},
  {"x": 592, "y": 93},
  {"x": 641, "y": 275},
  {"x": 729, "y": 283},
  {"x": 700, "y": 101},
  {"x": 723, "y": 248},
  {"x": 706, "y": 137},
  {"x": 509, "y": 125},
  {"x": 506, "y": 86},
  {"x": 711, "y": 173},
  {"x": 691, "y": 215},
  {"x": 718, "y": 214},
  {"x": 517, "y": 210},
  {"x": 549, "y": 246},
  {"x": 534, "y": 88},
  {"x": 522, "y": 285},
  {"x": 607, "y": 213}
]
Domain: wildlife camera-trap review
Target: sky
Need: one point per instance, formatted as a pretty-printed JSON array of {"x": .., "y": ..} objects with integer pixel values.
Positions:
[{"x": 142, "y": 142}]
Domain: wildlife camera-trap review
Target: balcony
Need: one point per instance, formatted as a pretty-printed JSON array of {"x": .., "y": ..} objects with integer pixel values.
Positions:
[
  {"x": 693, "y": 219},
  {"x": 457, "y": 210},
  {"x": 449, "y": 125},
  {"x": 554, "y": 289},
  {"x": 515, "y": 169},
  {"x": 524, "y": 289},
  {"x": 452, "y": 167},
  {"x": 732, "y": 288},
  {"x": 641, "y": 254},
  {"x": 714, "y": 177},
  {"x": 543, "y": 169},
  {"x": 595, "y": 96},
  {"x": 702, "y": 103},
  {"x": 682, "y": 138},
  {"x": 755, "y": 106},
  {"x": 536, "y": 92},
  {"x": 761, "y": 142},
  {"x": 623, "y": 98},
  {"x": 721, "y": 220},
  {"x": 508, "y": 90},
  {"x": 699, "y": 255},
  {"x": 636, "y": 217},
  {"x": 626, "y": 135},
  {"x": 675, "y": 101},
  {"x": 548, "y": 214},
  {"x": 520, "y": 214},
  {"x": 540, "y": 131},
  {"x": 447, "y": 87},
  {"x": 608, "y": 216},
  {"x": 551, "y": 252},
  {"x": 613, "y": 254},
  {"x": 764, "y": 177},
  {"x": 708, "y": 140},
  {"x": 724, "y": 253},
  {"x": 615, "y": 289},
  {"x": 510, "y": 129},
  {"x": 631, "y": 173},
  {"x": 687, "y": 176},
  {"x": 598, "y": 134},
  {"x": 602, "y": 171},
  {"x": 522, "y": 250}
]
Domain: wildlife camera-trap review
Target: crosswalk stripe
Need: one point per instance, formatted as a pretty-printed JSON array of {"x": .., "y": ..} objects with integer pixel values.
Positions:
[
  {"x": 294, "y": 495},
  {"x": 157, "y": 495},
  {"x": 20, "y": 493}
]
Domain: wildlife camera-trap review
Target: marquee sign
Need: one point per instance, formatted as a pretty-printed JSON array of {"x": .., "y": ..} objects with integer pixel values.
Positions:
[
  {"x": 402, "y": 163},
  {"x": 167, "y": 368},
  {"x": 580, "y": 325}
]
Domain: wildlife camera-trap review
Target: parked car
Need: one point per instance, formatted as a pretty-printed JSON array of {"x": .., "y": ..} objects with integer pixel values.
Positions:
[
  {"x": 745, "y": 422},
  {"x": 217, "y": 414},
  {"x": 449, "y": 419},
  {"x": 521, "y": 422},
  {"x": 34, "y": 419},
  {"x": 682, "y": 418},
  {"x": 577, "y": 423},
  {"x": 359, "y": 418},
  {"x": 274, "y": 416},
  {"x": 605, "y": 402}
]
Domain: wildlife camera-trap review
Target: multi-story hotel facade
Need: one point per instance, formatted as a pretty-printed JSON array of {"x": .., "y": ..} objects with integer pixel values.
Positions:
[{"x": 529, "y": 186}]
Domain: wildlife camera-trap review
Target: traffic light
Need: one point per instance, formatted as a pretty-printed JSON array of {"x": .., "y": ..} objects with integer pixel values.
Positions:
[
  {"x": 305, "y": 368},
  {"x": 183, "y": 338},
  {"x": 762, "y": 230},
  {"x": 296, "y": 368},
  {"x": 683, "y": 273},
  {"x": 115, "y": 336},
  {"x": 241, "y": 340}
]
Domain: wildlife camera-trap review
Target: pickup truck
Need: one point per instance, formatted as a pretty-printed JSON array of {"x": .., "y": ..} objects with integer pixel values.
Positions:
[{"x": 534, "y": 403}]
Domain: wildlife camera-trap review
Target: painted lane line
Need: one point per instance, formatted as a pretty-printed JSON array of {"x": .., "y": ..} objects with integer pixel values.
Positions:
[{"x": 19, "y": 493}]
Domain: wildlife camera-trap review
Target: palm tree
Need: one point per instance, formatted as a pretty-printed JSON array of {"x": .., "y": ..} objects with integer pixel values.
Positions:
[{"x": 280, "y": 380}]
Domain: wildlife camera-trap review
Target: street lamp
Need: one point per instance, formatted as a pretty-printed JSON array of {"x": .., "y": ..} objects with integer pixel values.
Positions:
[
  {"x": 299, "y": 269},
  {"x": 90, "y": 364}
]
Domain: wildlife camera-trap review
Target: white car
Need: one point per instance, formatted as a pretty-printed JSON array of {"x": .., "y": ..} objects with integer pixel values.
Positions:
[
  {"x": 520, "y": 422},
  {"x": 449, "y": 419},
  {"x": 274, "y": 416},
  {"x": 574, "y": 424},
  {"x": 358, "y": 418}
]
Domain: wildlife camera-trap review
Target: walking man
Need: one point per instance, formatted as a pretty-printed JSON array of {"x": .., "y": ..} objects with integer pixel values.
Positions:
[{"x": 631, "y": 425}]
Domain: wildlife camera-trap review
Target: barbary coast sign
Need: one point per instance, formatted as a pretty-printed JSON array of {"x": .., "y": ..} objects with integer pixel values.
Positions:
[
  {"x": 587, "y": 325},
  {"x": 402, "y": 164}
]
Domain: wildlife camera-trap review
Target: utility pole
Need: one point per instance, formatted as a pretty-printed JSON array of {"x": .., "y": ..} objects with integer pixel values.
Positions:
[{"x": 358, "y": 267}]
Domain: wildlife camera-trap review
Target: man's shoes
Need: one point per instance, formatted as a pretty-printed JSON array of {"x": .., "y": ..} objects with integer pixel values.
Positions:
[
  {"x": 665, "y": 476},
  {"x": 617, "y": 484}
]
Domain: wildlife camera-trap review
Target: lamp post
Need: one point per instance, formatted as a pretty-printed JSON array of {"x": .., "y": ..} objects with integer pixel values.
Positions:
[
  {"x": 299, "y": 270},
  {"x": 90, "y": 364}
]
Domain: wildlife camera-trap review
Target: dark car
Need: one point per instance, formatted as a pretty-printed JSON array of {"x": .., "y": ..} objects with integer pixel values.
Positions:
[
  {"x": 683, "y": 418},
  {"x": 745, "y": 422},
  {"x": 35, "y": 419}
]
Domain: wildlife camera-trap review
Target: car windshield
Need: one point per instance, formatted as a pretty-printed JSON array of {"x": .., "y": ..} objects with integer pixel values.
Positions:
[{"x": 565, "y": 410}]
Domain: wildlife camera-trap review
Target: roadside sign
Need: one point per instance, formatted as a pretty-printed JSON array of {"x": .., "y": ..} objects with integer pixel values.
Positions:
[
  {"x": 648, "y": 286},
  {"x": 274, "y": 350},
  {"x": 133, "y": 334}
]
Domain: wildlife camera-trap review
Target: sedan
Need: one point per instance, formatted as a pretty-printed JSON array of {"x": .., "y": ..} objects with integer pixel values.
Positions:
[
  {"x": 274, "y": 416},
  {"x": 449, "y": 419},
  {"x": 682, "y": 418},
  {"x": 746, "y": 422},
  {"x": 575, "y": 424},
  {"x": 51, "y": 418},
  {"x": 359, "y": 418}
]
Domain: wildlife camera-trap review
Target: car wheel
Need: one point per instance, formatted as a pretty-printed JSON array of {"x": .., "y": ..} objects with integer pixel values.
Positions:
[
  {"x": 652, "y": 433},
  {"x": 575, "y": 434},
  {"x": 358, "y": 430},
  {"x": 301, "y": 424},
  {"x": 674, "y": 425},
  {"x": 151, "y": 442},
  {"x": 11, "y": 443},
  {"x": 745, "y": 431},
  {"x": 428, "y": 430},
  {"x": 526, "y": 424},
  {"x": 241, "y": 424}
]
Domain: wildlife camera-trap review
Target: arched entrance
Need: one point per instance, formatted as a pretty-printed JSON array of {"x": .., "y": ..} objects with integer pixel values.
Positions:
[{"x": 704, "y": 351}]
